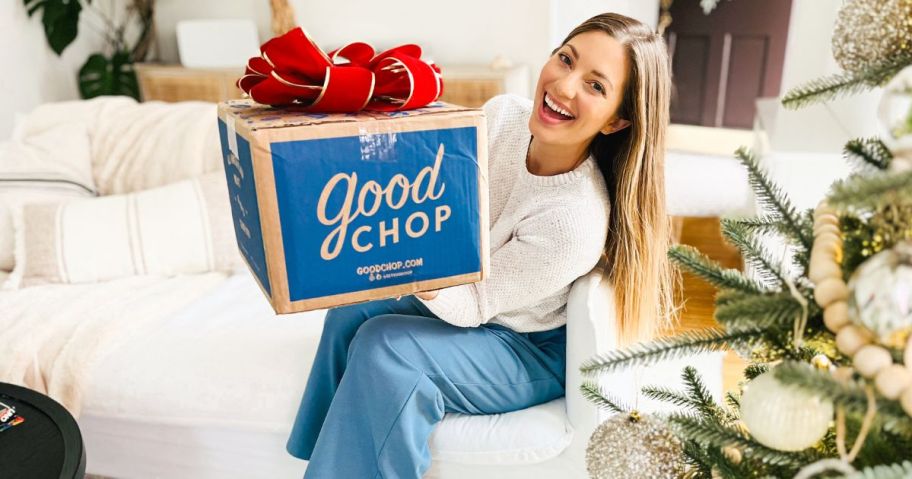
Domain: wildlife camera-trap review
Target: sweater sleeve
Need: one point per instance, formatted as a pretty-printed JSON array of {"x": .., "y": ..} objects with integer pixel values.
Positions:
[{"x": 546, "y": 253}]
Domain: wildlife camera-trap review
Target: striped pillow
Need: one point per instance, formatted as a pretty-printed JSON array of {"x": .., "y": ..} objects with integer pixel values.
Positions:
[{"x": 184, "y": 227}]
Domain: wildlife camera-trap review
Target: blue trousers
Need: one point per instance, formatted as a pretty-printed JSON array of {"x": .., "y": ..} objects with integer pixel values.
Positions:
[{"x": 385, "y": 373}]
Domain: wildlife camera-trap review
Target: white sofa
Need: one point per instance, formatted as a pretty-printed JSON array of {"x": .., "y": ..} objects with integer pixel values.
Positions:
[{"x": 210, "y": 390}]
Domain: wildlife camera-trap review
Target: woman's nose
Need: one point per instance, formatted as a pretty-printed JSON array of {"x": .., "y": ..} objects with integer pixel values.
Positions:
[{"x": 564, "y": 88}]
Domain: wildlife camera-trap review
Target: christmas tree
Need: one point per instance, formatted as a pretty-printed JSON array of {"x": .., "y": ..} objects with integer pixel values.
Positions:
[{"x": 828, "y": 388}]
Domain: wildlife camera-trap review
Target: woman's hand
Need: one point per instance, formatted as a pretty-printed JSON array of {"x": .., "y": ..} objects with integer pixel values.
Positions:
[{"x": 428, "y": 295}]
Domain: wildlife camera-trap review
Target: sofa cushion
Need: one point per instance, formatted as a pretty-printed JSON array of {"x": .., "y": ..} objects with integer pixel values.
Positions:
[
  {"x": 229, "y": 360},
  {"x": 181, "y": 228},
  {"x": 699, "y": 184}
]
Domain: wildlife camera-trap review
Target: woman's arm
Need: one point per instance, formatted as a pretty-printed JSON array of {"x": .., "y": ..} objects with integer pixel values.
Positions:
[{"x": 546, "y": 253}]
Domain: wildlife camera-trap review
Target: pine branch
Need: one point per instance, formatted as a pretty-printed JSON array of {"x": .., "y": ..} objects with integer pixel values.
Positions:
[
  {"x": 762, "y": 311},
  {"x": 774, "y": 199},
  {"x": 664, "y": 394},
  {"x": 762, "y": 225},
  {"x": 846, "y": 83},
  {"x": 697, "y": 390},
  {"x": 892, "y": 471},
  {"x": 859, "y": 192},
  {"x": 692, "y": 260},
  {"x": 714, "y": 435},
  {"x": 594, "y": 394},
  {"x": 755, "y": 369},
  {"x": 869, "y": 154},
  {"x": 768, "y": 268},
  {"x": 687, "y": 343}
]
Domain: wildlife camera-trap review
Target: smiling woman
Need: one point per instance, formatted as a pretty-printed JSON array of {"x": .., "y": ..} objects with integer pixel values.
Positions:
[
  {"x": 604, "y": 93},
  {"x": 574, "y": 175}
]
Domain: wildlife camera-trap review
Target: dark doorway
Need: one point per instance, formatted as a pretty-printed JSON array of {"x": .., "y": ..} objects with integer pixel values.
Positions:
[{"x": 724, "y": 61}]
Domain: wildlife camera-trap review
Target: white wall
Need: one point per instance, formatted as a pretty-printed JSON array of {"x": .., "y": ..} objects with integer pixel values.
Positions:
[
  {"x": 472, "y": 31},
  {"x": 469, "y": 31},
  {"x": 808, "y": 56},
  {"x": 32, "y": 73}
]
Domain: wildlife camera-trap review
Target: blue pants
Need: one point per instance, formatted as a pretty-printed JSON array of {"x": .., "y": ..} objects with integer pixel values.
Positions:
[{"x": 385, "y": 373}]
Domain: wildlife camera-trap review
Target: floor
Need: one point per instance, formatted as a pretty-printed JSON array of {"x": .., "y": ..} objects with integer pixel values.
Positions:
[{"x": 705, "y": 235}]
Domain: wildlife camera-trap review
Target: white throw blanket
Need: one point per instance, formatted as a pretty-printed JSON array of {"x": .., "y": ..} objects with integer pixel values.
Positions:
[
  {"x": 133, "y": 146},
  {"x": 51, "y": 336}
]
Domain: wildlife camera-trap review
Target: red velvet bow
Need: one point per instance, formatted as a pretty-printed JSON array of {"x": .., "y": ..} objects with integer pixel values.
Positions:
[{"x": 293, "y": 70}]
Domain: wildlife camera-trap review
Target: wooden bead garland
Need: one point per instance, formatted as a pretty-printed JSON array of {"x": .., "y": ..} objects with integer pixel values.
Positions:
[{"x": 893, "y": 381}]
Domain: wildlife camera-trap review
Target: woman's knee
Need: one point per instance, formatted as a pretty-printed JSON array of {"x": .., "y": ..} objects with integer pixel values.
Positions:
[{"x": 344, "y": 320}]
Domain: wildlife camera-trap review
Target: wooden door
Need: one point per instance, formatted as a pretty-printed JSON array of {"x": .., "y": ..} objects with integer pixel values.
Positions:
[{"x": 724, "y": 61}]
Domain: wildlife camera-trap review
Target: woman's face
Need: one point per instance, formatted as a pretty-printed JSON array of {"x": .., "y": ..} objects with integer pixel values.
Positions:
[{"x": 579, "y": 91}]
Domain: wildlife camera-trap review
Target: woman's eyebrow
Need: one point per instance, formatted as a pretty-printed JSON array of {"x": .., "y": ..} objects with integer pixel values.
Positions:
[{"x": 594, "y": 72}]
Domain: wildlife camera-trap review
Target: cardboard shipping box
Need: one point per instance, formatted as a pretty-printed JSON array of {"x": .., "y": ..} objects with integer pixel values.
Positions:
[{"x": 331, "y": 209}]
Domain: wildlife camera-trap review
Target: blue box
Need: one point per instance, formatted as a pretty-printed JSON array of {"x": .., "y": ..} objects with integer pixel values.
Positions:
[{"x": 331, "y": 209}]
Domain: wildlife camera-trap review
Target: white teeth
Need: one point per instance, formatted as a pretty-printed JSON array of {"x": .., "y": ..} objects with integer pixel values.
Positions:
[{"x": 556, "y": 108}]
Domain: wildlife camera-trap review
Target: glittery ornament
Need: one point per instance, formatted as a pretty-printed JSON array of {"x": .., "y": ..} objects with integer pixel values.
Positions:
[
  {"x": 783, "y": 417},
  {"x": 634, "y": 445},
  {"x": 880, "y": 298},
  {"x": 894, "y": 115},
  {"x": 871, "y": 31}
]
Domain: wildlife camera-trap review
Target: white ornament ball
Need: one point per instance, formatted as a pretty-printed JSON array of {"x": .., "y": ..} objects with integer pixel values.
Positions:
[
  {"x": 784, "y": 417},
  {"x": 895, "y": 113},
  {"x": 871, "y": 359},
  {"x": 892, "y": 381},
  {"x": 880, "y": 297}
]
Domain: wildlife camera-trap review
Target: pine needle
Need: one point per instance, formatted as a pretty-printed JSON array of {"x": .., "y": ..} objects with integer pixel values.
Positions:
[{"x": 846, "y": 83}]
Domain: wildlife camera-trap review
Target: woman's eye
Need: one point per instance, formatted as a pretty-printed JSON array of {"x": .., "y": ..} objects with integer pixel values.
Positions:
[
  {"x": 563, "y": 58},
  {"x": 598, "y": 87}
]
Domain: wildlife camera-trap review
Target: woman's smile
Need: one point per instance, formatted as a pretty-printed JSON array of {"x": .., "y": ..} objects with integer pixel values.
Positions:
[{"x": 553, "y": 112}]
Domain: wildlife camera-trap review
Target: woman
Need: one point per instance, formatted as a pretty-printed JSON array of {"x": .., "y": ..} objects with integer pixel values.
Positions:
[{"x": 575, "y": 175}]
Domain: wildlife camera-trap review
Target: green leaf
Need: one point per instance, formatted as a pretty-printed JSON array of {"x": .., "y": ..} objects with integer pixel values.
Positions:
[
  {"x": 108, "y": 76},
  {"x": 60, "y": 19}
]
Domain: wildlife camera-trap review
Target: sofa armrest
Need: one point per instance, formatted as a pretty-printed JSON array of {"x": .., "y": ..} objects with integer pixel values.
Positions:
[{"x": 591, "y": 330}]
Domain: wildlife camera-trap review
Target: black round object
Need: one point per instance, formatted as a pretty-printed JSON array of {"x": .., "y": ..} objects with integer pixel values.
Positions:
[{"x": 47, "y": 445}]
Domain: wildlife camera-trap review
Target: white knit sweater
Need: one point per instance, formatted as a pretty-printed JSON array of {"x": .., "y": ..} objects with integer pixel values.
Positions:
[{"x": 546, "y": 231}]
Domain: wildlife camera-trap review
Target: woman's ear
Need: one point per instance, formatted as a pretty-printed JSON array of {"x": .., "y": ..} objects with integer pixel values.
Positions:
[{"x": 614, "y": 126}]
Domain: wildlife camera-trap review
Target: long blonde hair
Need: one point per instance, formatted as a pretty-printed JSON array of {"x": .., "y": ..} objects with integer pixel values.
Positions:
[{"x": 633, "y": 163}]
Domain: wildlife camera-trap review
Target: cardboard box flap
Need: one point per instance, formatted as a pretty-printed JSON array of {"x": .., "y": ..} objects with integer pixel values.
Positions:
[{"x": 259, "y": 117}]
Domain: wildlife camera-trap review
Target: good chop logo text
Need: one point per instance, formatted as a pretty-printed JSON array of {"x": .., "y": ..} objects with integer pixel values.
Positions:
[{"x": 367, "y": 199}]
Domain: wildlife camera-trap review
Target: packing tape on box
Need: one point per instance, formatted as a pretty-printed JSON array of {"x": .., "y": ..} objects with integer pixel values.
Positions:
[{"x": 232, "y": 135}]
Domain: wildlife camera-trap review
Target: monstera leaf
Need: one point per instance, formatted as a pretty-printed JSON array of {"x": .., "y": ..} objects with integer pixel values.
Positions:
[
  {"x": 60, "y": 19},
  {"x": 101, "y": 75}
]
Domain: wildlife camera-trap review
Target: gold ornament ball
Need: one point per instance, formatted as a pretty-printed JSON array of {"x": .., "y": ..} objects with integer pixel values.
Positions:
[
  {"x": 868, "y": 32},
  {"x": 784, "y": 417},
  {"x": 633, "y": 445}
]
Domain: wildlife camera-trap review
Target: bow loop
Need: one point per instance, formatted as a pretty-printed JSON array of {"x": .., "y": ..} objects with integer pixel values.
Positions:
[{"x": 293, "y": 70}]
